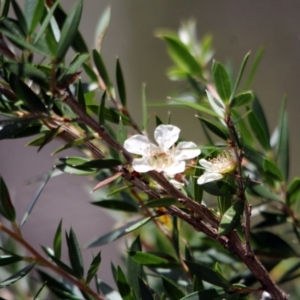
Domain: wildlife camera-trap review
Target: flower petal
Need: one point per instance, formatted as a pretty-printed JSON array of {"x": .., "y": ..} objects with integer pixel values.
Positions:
[
  {"x": 176, "y": 167},
  {"x": 186, "y": 150},
  {"x": 137, "y": 144},
  {"x": 166, "y": 136},
  {"x": 141, "y": 165},
  {"x": 209, "y": 166},
  {"x": 208, "y": 177}
]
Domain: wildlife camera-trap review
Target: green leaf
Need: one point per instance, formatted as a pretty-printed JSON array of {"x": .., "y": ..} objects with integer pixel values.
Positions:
[
  {"x": 272, "y": 244},
  {"x": 7, "y": 209},
  {"x": 145, "y": 290},
  {"x": 221, "y": 132},
  {"x": 283, "y": 148},
  {"x": 20, "y": 17},
  {"x": 119, "y": 232},
  {"x": 197, "y": 188},
  {"x": 121, "y": 133},
  {"x": 123, "y": 285},
  {"x": 94, "y": 266},
  {"x": 115, "y": 204},
  {"x": 172, "y": 290},
  {"x": 48, "y": 137},
  {"x": 259, "y": 131},
  {"x": 13, "y": 127},
  {"x": 270, "y": 219},
  {"x": 263, "y": 192},
  {"x": 100, "y": 66},
  {"x": 59, "y": 263},
  {"x": 242, "y": 99},
  {"x": 84, "y": 163},
  {"x": 17, "y": 276},
  {"x": 219, "y": 188},
  {"x": 207, "y": 274},
  {"x": 5, "y": 9},
  {"x": 160, "y": 202},
  {"x": 202, "y": 295},
  {"x": 232, "y": 217},
  {"x": 238, "y": 80},
  {"x": 58, "y": 288},
  {"x": 25, "y": 93},
  {"x": 175, "y": 237},
  {"x": 57, "y": 241},
  {"x": 101, "y": 112},
  {"x": 75, "y": 171},
  {"x": 293, "y": 191},
  {"x": 272, "y": 170},
  {"x": 102, "y": 26},
  {"x": 149, "y": 259},
  {"x": 181, "y": 56},
  {"x": 75, "y": 254},
  {"x": 254, "y": 67},
  {"x": 120, "y": 83},
  {"x": 69, "y": 31},
  {"x": 134, "y": 269},
  {"x": 36, "y": 296},
  {"x": 23, "y": 44},
  {"x": 80, "y": 96},
  {"x": 34, "y": 10},
  {"x": 26, "y": 70},
  {"x": 45, "y": 22},
  {"x": 222, "y": 81},
  {"x": 36, "y": 197},
  {"x": 9, "y": 259}
]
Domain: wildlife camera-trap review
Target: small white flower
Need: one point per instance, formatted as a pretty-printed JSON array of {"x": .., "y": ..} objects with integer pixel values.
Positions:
[
  {"x": 216, "y": 168},
  {"x": 164, "y": 157}
]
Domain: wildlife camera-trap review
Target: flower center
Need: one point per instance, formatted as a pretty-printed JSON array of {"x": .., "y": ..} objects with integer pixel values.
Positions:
[
  {"x": 160, "y": 160},
  {"x": 224, "y": 163}
]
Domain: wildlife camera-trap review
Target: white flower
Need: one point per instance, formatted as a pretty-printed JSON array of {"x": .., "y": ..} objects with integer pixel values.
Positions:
[
  {"x": 164, "y": 157},
  {"x": 216, "y": 168}
]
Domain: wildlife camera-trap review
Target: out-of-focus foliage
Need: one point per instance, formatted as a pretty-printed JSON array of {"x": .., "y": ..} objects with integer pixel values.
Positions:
[{"x": 191, "y": 240}]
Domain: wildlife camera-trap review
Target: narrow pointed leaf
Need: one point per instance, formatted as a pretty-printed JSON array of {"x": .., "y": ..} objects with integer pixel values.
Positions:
[
  {"x": 222, "y": 81},
  {"x": 115, "y": 204},
  {"x": 80, "y": 96},
  {"x": 5, "y": 8},
  {"x": 145, "y": 290},
  {"x": 102, "y": 27},
  {"x": 283, "y": 148},
  {"x": 149, "y": 259},
  {"x": 121, "y": 83},
  {"x": 26, "y": 94},
  {"x": 242, "y": 99},
  {"x": 20, "y": 17},
  {"x": 69, "y": 30},
  {"x": 75, "y": 253},
  {"x": 34, "y": 10},
  {"x": 76, "y": 171},
  {"x": 219, "y": 188},
  {"x": 123, "y": 285},
  {"x": 218, "y": 130},
  {"x": 36, "y": 296},
  {"x": 57, "y": 241},
  {"x": 272, "y": 170},
  {"x": 36, "y": 197},
  {"x": 45, "y": 22},
  {"x": 117, "y": 233},
  {"x": 240, "y": 75},
  {"x": 293, "y": 191},
  {"x": 100, "y": 66},
  {"x": 107, "y": 181},
  {"x": 101, "y": 112},
  {"x": 232, "y": 217},
  {"x": 6, "y": 206},
  {"x": 160, "y": 202},
  {"x": 134, "y": 269},
  {"x": 208, "y": 294},
  {"x": 94, "y": 266},
  {"x": 17, "y": 276},
  {"x": 254, "y": 67},
  {"x": 172, "y": 290},
  {"x": 121, "y": 133},
  {"x": 207, "y": 274},
  {"x": 265, "y": 193},
  {"x": 9, "y": 259}
]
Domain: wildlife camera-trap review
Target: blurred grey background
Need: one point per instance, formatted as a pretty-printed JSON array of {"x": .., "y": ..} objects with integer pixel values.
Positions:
[{"x": 237, "y": 26}]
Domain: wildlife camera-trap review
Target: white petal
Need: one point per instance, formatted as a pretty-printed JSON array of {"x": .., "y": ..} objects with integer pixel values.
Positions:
[
  {"x": 208, "y": 177},
  {"x": 176, "y": 167},
  {"x": 207, "y": 165},
  {"x": 141, "y": 165},
  {"x": 186, "y": 150},
  {"x": 166, "y": 136},
  {"x": 137, "y": 144}
]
